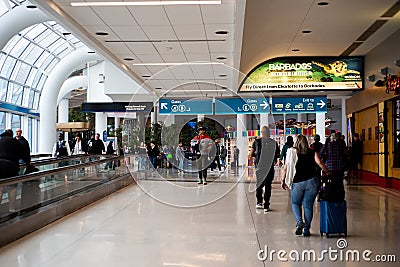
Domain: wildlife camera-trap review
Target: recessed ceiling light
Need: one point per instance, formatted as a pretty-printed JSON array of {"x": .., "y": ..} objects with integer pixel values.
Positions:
[
  {"x": 101, "y": 33},
  {"x": 147, "y": 3},
  {"x": 176, "y": 63},
  {"x": 146, "y": 76},
  {"x": 31, "y": 6},
  {"x": 91, "y": 52},
  {"x": 306, "y": 31},
  {"x": 222, "y": 75},
  {"x": 224, "y": 87},
  {"x": 323, "y": 3},
  {"x": 221, "y": 32},
  {"x": 295, "y": 50},
  {"x": 129, "y": 59},
  {"x": 158, "y": 88},
  {"x": 66, "y": 33},
  {"x": 221, "y": 58}
]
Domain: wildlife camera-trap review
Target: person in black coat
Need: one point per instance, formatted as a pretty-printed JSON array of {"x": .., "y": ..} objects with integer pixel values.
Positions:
[
  {"x": 24, "y": 143},
  {"x": 11, "y": 151},
  {"x": 356, "y": 151}
]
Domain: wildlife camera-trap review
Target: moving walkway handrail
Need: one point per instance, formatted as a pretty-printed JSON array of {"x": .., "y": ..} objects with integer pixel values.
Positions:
[{"x": 40, "y": 174}]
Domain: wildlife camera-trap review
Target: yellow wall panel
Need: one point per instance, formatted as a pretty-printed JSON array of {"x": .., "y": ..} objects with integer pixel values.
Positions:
[{"x": 368, "y": 118}]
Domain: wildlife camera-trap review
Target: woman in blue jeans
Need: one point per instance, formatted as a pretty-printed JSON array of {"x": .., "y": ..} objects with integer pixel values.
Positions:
[{"x": 305, "y": 184}]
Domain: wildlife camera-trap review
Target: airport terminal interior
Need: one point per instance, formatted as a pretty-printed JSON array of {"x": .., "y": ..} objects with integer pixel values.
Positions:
[{"x": 150, "y": 124}]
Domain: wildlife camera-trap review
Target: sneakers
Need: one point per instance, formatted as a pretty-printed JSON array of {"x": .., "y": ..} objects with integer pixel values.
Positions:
[
  {"x": 200, "y": 182},
  {"x": 205, "y": 183},
  {"x": 299, "y": 228},
  {"x": 266, "y": 210},
  {"x": 259, "y": 206},
  {"x": 306, "y": 232}
]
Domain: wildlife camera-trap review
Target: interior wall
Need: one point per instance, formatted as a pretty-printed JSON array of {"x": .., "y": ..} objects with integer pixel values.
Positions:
[
  {"x": 364, "y": 120},
  {"x": 382, "y": 56}
]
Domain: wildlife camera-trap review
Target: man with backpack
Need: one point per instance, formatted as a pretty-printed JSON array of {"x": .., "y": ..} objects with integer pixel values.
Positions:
[{"x": 266, "y": 152}]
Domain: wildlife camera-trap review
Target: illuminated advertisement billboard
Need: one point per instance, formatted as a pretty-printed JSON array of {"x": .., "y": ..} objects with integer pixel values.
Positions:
[{"x": 306, "y": 74}]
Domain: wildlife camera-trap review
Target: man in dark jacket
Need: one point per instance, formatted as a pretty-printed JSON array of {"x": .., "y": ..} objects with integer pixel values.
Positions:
[
  {"x": 24, "y": 143},
  {"x": 266, "y": 151},
  {"x": 11, "y": 151},
  {"x": 96, "y": 146}
]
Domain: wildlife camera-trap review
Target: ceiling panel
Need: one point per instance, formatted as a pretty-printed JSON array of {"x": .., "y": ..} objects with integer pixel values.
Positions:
[
  {"x": 142, "y": 48},
  {"x": 164, "y": 74},
  {"x": 128, "y": 55},
  {"x": 168, "y": 48},
  {"x": 174, "y": 58},
  {"x": 190, "y": 32},
  {"x": 212, "y": 28},
  {"x": 84, "y": 15},
  {"x": 154, "y": 15},
  {"x": 223, "y": 46},
  {"x": 184, "y": 15},
  {"x": 182, "y": 72},
  {"x": 140, "y": 70},
  {"x": 118, "y": 48},
  {"x": 93, "y": 29},
  {"x": 169, "y": 84},
  {"x": 154, "y": 58},
  {"x": 159, "y": 32},
  {"x": 198, "y": 57},
  {"x": 218, "y": 13},
  {"x": 195, "y": 47},
  {"x": 129, "y": 33},
  {"x": 108, "y": 14}
]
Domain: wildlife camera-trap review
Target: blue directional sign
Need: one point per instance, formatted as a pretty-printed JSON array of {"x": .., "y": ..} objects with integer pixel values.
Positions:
[
  {"x": 241, "y": 105},
  {"x": 299, "y": 105},
  {"x": 185, "y": 106}
]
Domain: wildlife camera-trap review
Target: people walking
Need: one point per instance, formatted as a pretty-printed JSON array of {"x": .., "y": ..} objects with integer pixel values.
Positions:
[
  {"x": 288, "y": 144},
  {"x": 224, "y": 154},
  {"x": 180, "y": 157},
  {"x": 266, "y": 152},
  {"x": 236, "y": 152},
  {"x": 153, "y": 152},
  {"x": 202, "y": 145},
  {"x": 302, "y": 182},
  {"x": 11, "y": 152},
  {"x": 217, "y": 162}
]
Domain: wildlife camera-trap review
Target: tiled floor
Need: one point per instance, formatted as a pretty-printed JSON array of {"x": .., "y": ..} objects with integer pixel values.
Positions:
[{"x": 155, "y": 223}]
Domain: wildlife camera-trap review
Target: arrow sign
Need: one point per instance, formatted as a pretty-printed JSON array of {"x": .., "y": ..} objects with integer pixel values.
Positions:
[
  {"x": 264, "y": 105},
  {"x": 321, "y": 104},
  {"x": 164, "y": 106}
]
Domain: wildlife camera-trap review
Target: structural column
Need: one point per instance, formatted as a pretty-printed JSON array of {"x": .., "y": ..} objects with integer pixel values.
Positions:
[
  {"x": 320, "y": 125},
  {"x": 344, "y": 118},
  {"x": 242, "y": 142},
  {"x": 63, "y": 108},
  {"x": 100, "y": 123},
  {"x": 264, "y": 120},
  {"x": 116, "y": 122}
]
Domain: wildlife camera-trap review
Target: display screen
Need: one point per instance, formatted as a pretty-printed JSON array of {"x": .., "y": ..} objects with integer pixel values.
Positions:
[{"x": 306, "y": 74}]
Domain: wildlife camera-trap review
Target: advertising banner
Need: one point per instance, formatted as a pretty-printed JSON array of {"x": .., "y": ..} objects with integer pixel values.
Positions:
[{"x": 305, "y": 74}]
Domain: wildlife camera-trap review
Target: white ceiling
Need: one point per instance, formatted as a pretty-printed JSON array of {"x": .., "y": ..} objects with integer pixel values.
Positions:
[{"x": 257, "y": 30}]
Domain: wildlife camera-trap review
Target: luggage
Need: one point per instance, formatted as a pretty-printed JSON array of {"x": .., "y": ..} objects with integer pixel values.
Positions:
[{"x": 333, "y": 218}]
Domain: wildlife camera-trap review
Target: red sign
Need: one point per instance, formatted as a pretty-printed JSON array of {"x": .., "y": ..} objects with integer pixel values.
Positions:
[{"x": 393, "y": 84}]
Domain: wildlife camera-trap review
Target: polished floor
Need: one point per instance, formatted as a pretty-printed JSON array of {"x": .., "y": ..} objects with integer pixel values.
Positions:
[{"x": 175, "y": 222}]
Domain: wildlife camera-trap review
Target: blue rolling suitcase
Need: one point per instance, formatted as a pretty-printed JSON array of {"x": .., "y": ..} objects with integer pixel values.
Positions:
[{"x": 333, "y": 218}]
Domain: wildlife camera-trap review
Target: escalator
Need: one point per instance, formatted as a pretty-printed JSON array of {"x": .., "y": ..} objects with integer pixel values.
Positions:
[{"x": 61, "y": 186}]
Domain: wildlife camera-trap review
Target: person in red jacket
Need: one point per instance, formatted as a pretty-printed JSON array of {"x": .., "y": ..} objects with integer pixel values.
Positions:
[{"x": 202, "y": 146}]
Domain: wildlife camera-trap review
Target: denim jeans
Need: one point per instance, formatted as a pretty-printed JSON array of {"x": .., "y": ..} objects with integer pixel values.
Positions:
[
  {"x": 303, "y": 194},
  {"x": 180, "y": 166}
]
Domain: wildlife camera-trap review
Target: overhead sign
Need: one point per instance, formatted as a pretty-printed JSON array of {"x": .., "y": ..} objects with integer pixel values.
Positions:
[
  {"x": 118, "y": 107},
  {"x": 299, "y": 104},
  {"x": 241, "y": 105},
  {"x": 185, "y": 106},
  {"x": 305, "y": 74}
]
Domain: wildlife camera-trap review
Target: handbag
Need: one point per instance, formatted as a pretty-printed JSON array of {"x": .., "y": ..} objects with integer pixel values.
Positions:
[
  {"x": 331, "y": 190},
  {"x": 290, "y": 162}
]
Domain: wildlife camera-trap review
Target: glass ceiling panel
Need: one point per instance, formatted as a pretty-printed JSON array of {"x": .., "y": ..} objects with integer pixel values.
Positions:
[{"x": 29, "y": 57}]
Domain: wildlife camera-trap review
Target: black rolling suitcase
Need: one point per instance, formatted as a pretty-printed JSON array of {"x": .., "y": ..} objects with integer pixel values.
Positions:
[{"x": 333, "y": 219}]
